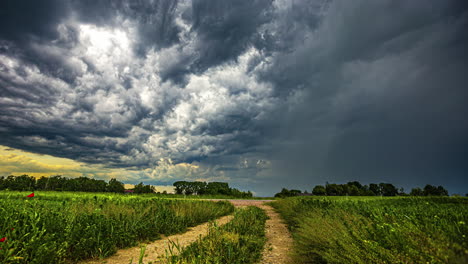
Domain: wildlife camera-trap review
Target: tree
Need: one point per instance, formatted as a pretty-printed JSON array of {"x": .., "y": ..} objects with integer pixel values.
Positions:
[
  {"x": 319, "y": 190},
  {"x": 115, "y": 186},
  {"x": 375, "y": 188},
  {"x": 20, "y": 183},
  {"x": 180, "y": 187},
  {"x": 430, "y": 190},
  {"x": 416, "y": 192},
  {"x": 141, "y": 188},
  {"x": 353, "y": 190},
  {"x": 287, "y": 193},
  {"x": 334, "y": 189},
  {"x": 388, "y": 189},
  {"x": 218, "y": 188},
  {"x": 2, "y": 183}
]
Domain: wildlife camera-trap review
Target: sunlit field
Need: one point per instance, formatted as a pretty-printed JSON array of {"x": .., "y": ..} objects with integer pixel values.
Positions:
[
  {"x": 55, "y": 227},
  {"x": 377, "y": 230}
]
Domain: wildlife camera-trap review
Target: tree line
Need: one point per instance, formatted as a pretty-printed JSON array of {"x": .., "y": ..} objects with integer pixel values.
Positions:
[
  {"x": 210, "y": 188},
  {"x": 355, "y": 188},
  {"x": 59, "y": 183}
]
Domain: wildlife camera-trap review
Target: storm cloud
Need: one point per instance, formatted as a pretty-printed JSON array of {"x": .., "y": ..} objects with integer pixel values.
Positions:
[{"x": 263, "y": 94}]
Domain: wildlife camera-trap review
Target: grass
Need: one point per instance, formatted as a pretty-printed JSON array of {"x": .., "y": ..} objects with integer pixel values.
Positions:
[
  {"x": 240, "y": 241},
  {"x": 377, "y": 230},
  {"x": 56, "y": 227}
]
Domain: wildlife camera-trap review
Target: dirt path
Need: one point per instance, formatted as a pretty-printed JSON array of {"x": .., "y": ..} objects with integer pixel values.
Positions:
[
  {"x": 279, "y": 241},
  {"x": 156, "y": 251},
  {"x": 277, "y": 247}
]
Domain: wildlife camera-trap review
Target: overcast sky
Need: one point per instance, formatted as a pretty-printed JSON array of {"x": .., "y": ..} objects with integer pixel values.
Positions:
[{"x": 261, "y": 94}]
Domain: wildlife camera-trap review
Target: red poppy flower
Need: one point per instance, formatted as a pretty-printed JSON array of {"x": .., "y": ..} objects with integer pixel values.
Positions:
[
  {"x": 31, "y": 195},
  {"x": 2, "y": 239}
]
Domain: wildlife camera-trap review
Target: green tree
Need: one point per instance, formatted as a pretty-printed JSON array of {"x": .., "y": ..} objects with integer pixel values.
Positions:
[
  {"x": 115, "y": 186},
  {"x": 21, "y": 183},
  {"x": 287, "y": 193},
  {"x": 416, "y": 192},
  {"x": 141, "y": 188},
  {"x": 430, "y": 190},
  {"x": 388, "y": 189},
  {"x": 375, "y": 188},
  {"x": 319, "y": 190}
]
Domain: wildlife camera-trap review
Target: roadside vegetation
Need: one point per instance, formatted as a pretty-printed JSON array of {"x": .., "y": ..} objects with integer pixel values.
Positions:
[
  {"x": 240, "y": 241},
  {"x": 377, "y": 229},
  {"x": 60, "y": 227}
]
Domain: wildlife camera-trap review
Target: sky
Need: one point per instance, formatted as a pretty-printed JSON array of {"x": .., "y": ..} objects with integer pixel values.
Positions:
[{"x": 258, "y": 93}]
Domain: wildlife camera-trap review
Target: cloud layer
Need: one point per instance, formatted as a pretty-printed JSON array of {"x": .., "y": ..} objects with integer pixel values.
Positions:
[{"x": 251, "y": 92}]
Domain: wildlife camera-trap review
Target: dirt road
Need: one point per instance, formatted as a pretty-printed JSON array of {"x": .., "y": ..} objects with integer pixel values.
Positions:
[{"x": 276, "y": 251}]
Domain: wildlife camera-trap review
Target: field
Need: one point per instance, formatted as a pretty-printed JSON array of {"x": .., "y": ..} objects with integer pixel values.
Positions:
[
  {"x": 67, "y": 227},
  {"x": 377, "y": 230}
]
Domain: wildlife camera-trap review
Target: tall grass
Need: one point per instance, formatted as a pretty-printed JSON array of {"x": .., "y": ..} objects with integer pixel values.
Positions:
[
  {"x": 63, "y": 227},
  {"x": 378, "y": 230},
  {"x": 239, "y": 241}
]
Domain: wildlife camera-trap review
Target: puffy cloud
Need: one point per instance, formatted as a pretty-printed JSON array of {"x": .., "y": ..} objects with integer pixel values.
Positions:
[{"x": 245, "y": 91}]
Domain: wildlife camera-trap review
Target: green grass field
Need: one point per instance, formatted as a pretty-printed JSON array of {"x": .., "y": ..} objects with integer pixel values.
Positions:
[
  {"x": 377, "y": 230},
  {"x": 56, "y": 227}
]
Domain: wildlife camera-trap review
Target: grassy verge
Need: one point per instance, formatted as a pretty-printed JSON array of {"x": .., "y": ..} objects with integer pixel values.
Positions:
[
  {"x": 239, "y": 241},
  {"x": 378, "y": 230},
  {"x": 64, "y": 227}
]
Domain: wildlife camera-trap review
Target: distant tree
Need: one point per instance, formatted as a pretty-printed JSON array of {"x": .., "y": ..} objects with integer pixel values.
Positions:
[
  {"x": 333, "y": 189},
  {"x": 287, "y": 193},
  {"x": 180, "y": 187},
  {"x": 430, "y": 190},
  {"x": 115, "y": 186},
  {"x": 355, "y": 183},
  {"x": 401, "y": 192},
  {"x": 366, "y": 192},
  {"x": 20, "y": 183},
  {"x": 211, "y": 188},
  {"x": 441, "y": 191},
  {"x": 375, "y": 188},
  {"x": 141, "y": 188},
  {"x": 2, "y": 183},
  {"x": 218, "y": 188},
  {"x": 388, "y": 189},
  {"x": 353, "y": 190},
  {"x": 416, "y": 192},
  {"x": 319, "y": 190}
]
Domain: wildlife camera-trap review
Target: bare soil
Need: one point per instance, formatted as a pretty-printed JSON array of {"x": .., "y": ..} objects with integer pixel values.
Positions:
[{"x": 279, "y": 241}]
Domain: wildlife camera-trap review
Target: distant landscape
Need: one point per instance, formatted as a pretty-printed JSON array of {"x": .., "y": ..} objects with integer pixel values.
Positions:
[
  {"x": 61, "y": 220},
  {"x": 233, "y": 131}
]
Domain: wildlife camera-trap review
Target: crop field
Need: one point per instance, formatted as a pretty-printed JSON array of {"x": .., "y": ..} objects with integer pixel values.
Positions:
[
  {"x": 377, "y": 230},
  {"x": 55, "y": 227}
]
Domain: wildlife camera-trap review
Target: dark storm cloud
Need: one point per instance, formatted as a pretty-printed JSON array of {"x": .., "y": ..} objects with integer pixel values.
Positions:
[
  {"x": 381, "y": 91},
  {"x": 225, "y": 29},
  {"x": 251, "y": 92},
  {"x": 22, "y": 19}
]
